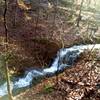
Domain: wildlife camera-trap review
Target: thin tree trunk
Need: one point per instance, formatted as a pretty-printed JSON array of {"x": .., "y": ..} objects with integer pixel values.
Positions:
[
  {"x": 6, "y": 50},
  {"x": 79, "y": 16}
]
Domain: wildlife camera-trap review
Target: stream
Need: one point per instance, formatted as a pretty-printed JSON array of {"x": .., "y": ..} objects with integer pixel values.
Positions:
[{"x": 65, "y": 58}]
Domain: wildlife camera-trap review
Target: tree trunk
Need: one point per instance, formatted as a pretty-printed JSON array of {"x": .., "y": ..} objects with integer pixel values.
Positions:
[{"x": 6, "y": 50}]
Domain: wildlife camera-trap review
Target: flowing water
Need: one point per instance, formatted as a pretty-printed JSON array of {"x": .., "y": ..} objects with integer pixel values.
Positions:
[{"x": 65, "y": 58}]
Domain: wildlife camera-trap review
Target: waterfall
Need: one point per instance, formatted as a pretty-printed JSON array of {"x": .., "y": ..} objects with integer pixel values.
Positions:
[{"x": 65, "y": 58}]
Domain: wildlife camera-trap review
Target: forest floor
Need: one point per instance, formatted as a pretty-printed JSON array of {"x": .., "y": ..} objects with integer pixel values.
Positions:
[
  {"x": 29, "y": 48},
  {"x": 80, "y": 82}
]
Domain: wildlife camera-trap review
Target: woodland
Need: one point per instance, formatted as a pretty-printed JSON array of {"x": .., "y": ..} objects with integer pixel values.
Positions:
[{"x": 49, "y": 49}]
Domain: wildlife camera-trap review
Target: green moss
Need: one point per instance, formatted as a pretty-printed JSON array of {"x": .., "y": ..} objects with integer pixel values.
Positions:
[{"x": 48, "y": 88}]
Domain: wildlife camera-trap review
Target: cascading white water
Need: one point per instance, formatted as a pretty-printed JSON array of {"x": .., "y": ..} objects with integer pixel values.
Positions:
[
  {"x": 3, "y": 89},
  {"x": 65, "y": 58}
]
